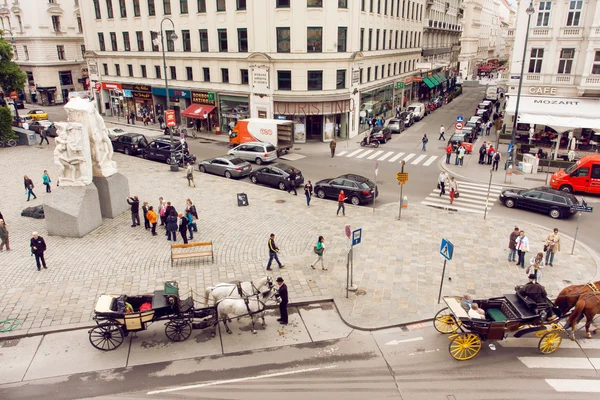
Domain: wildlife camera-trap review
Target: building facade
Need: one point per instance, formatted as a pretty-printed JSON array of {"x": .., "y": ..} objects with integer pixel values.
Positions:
[
  {"x": 507, "y": 18},
  {"x": 48, "y": 45},
  {"x": 321, "y": 63}
]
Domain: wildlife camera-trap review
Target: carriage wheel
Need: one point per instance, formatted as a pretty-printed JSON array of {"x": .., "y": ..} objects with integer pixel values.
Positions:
[
  {"x": 444, "y": 322},
  {"x": 106, "y": 336},
  {"x": 178, "y": 330},
  {"x": 550, "y": 342},
  {"x": 465, "y": 346}
]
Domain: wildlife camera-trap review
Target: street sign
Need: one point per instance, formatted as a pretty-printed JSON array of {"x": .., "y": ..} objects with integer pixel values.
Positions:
[
  {"x": 459, "y": 118},
  {"x": 14, "y": 95},
  {"x": 458, "y": 126},
  {"x": 98, "y": 86},
  {"x": 356, "y": 236},
  {"x": 582, "y": 208},
  {"x": 170, "y": 118},
  {"x": 446, "y": 249},
  {"x": 402, "y": 177},
  {"x": 211, "y": 96},
  {"x": 348, "y": 231},
  {"x": 399, "y": 85},
  {"x": 376, "y": 167}
]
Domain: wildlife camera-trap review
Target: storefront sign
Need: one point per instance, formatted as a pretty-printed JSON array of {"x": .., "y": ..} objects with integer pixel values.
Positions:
[
  {"x": 314, "y": 108},
  {"x": 543, "y": 90},
  {"x": 170, "y": 118},
  {"x": 399, "y": 85},
  {"x": 203, "y": 98},
  {"x": 175, "y": 93},
  {"x": 142, "y": 95},
  {"x": 260, "y": 77},
  {"x": 355, "y": 76},
  {"x": 93, "y": 71},
  {"x": 142, "y": 88},
  {"x": 111, "y": 86}
]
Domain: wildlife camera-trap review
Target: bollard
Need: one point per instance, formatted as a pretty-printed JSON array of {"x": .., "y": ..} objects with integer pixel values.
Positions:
[{"x": 404, "y": 202}]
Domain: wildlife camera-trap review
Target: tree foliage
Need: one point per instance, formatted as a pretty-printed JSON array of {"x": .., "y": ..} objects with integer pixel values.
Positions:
[
  {"x": 11, "y": 76},
  {"x": 6, "y": 131}
]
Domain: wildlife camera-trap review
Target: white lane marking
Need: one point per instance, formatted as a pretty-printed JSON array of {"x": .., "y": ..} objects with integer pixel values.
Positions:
[
  {"x": 377, "y": 153},
  {"x": 431, "y": 160},
  {"x": 481, "y": 185},
  {"x": 250, "y": 378},
  {"x": 418, "y": 159},
  {"x": 341, "y": 153},
  {"x": 354, "y": 153},
  {"x": 364, "y": 154},
  {"x": 386, "y": 155},
  {"x": 565, "y": 344},
  {"x": 397, "y": 156},
  {"x": 395, "y": 342},
  {"x": 451, "y": 207},
  {"x": 575, "y": 385},
  {"x": 560, "y": 362},
  {"x": 408, "y": 157}
]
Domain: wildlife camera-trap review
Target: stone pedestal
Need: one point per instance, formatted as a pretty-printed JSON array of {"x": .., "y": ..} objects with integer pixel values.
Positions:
[
  {"x": 113, "y": 192},
  {"x": 72, "y": 211}
]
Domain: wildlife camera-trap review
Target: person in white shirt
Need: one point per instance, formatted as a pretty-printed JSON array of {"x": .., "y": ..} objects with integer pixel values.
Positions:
[
  {"x": 25, "y": 125},
  {"x": 522, "y": 243},
  {"x": 442, "y": 130},
  {"x": 476, "y": 312},
  {"x": 443, "y": 177}
]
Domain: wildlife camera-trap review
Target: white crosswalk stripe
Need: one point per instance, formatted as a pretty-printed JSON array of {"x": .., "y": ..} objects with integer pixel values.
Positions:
[
  {"x": 391, "y": 156},
  {"x": 397, "y": 156},
  {"x": 431, "y": 160},
  {"x": 376, "y": 154},
  {"x": 361, "y": 155},
  {"x": 472, "y": 198},
  {"x": 341, "y": 153},
  {"x": 418, "y": 159},
  {"x": 386, "y": 155},
  {"x": 354, "y": 153},
  {"x": 408, "y": 157}
]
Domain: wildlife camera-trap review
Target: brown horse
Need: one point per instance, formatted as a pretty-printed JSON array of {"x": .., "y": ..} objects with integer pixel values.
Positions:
[
  {"x": 568, "y": 296},
  {"x": 588, "y": 305}
]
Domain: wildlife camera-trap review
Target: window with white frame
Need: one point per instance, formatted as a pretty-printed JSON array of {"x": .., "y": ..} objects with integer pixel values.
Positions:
[
  {"x": 574, "y": 14},
  {"x": 596, "y": 63},
  {"x": 566, "y": 61},
  {"x": 535, "y": 61},
  {"x": 543, "y": 16}
]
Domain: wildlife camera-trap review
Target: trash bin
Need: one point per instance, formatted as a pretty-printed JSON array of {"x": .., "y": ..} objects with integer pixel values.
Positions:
[
  {"x": 25, "y": 136},
  {"x": 525, "y": 167}
]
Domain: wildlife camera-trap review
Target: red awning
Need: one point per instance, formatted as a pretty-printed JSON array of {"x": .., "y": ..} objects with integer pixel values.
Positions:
[{"x": 197, "y": 110}]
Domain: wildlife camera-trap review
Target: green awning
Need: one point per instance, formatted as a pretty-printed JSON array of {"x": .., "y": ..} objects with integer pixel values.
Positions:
[
  {"x": 434, "y": 80},
  {"x": 441, "y": 78},
  {"x": 428, "y": 82}
]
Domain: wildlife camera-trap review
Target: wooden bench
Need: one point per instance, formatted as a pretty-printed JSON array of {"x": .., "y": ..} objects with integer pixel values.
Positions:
[{"x": 192, "y": 254}]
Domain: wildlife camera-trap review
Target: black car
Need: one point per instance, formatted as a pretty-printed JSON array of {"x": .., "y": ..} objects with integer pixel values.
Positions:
[
  {"x": 543, "y": 199},
  {"x": 160, "y": 150},
  {"x": 130, "y": 143},
  {"x": 276, "y": 175},
  {"x": 37, "y": 127},
  {"x": 381, "y": 134},
  {"x": 357, "y": 189}
]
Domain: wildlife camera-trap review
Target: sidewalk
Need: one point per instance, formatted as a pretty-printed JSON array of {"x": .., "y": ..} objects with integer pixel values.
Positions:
[{"x": 397, "y": 266}]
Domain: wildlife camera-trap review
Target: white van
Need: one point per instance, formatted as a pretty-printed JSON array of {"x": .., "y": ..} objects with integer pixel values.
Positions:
[
  {"x": 418, "y": 110},
  {"x": 491, "y": 93}
]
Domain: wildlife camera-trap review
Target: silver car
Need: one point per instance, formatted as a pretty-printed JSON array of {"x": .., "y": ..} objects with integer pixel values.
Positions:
[
  {"x": 227, "y": 166},
  {"x": 257, "y": 152}
]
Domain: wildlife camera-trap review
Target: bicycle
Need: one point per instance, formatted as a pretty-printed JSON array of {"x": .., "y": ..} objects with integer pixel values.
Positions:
[
  {"x": 8, "y": 143},
  {"x": 194, "y": 134}
]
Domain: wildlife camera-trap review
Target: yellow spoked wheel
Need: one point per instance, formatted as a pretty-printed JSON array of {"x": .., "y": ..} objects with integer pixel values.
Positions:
[
  {"x": 445, "y": 323},
  {"x": 466, "y": 346},
  {"x": 550, "y": 342}
]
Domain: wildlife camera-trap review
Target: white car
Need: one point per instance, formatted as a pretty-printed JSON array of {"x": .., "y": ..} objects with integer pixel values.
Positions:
[
  {"x": 257, "y": 152},
  {"x": 114, "y": 133}
]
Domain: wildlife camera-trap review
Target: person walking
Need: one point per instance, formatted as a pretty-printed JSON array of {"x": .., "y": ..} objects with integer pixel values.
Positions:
[
  {"x": 488, "y": 128},
  {"x": 172, "y": 225},
  {"x": 134, "y": 202},
  {"x": 145, "y": 214},
  {"x": 273, "y": 252},
  {"x": 190, "y": 174},
  {"x": 319, "y": 250},
  {"x": 424, "y": 140},
  {"x": 496, "y": 161},
  {"x": 332, "y": 146},
  {"x": 536, "y": 265},
  {"x": 442, "y": 179},
  {"x": 132, "y": 117},
  {"x": 482, "y": 153},
  {"x": 453, "y": 185},
  {"x": 161, "y": 121},
  {"x": 442, "y": 131},
  {"x": 151, "y": 218},
  {"x": 183, "y": 227},
  {"x": 292, "y": 178},
  {"x": 43, "y": 136},
  {"x": 448, "y": 153},
  {"x": 308, "y": 191},
  {"x": 512, "y": 245},
  {"x": 191, "y": 208},
  {"x": 282, "y": 293},
  {"x": 522, "y": 243},
  {"x": 461, "y": 155},
  {"x": 4, "y": 236},
  {"x": 46, "y": 180},
  {"x": 28, "y": 183},
  {"x": 341, "y": 199},
  {"x": 552, "y": 246},
  {"x": 38, "y": 247}
]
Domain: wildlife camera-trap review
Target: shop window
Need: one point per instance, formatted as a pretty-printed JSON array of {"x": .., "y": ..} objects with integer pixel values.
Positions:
[
  {"x": 314, "y": 3},
  {"x": 225, "y": 75},
  {"x": 151, "y": 8},
  {"x": 189, "y": 73},
  {"x": 340, "y": 82},
  {"x": 105, "y": 68},
  {"x": 140, "y": 40},
  {"x": 574, "y": 15},
  {"x": 206, "y": 73},
  {"x": 97, "y": 10},
  {"x": 136, "y": 8},
  {"x": 123, "y": 8},
  {"x": 596, "y": 64},
  {"x": 157, "y": 71},
  {"x": 101, "y": 41},
  {"x": 201, "y": 6},
  {"x": 284, "y": 80},
  {"x": 144, "y": 72},
  {"x": 341, "y": 44},
  {"x": 220, "y": 5},
  {"x": 244, "y": 75},
  {"x": 222, "y": 36},
  {"x": 186, "y": 40},
  {"x": 170, "y": 42},
  {"x": 283, "y": 40},
  {"x": 60, "y": 50},
  {"x": 65, "y": 78},
  {"x": 283, "y": 4},
  {"x": 344, "y": 4},
  {"x": 109, "y": 9},
  {"x": 240, "y": 4},
  {"x": 566, "y": 61},
  {"x": 130, "y": 69},
  {"x": 113, "y": 41},
  {"x": 167, "y": 7},
  {"x": 183, "y": 6},
  {"x": 203, "y": 40},
  {"x": 126, "y": 43},
  {"x": 370, "y": 38},
  {"x": 242, "y": 40},
  {"x": 535, "y": 61},
  {"x": 117, "y": 70},
  {"x": 173, "y": 72},
  {"x": 362, "y": 39},
  {"x": 315, "y": 80},
  {"x": 314, "y": 39},
  {"x": 154, "y": 40}
]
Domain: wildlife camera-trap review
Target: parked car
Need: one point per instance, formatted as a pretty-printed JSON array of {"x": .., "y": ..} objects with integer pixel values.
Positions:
[
  {"x": 37, "y": 115},
  {"x": 418, "y": 110},
  {"x": 160, "y": 150},
  {"x": 437, "y": 101},
  {"x": 227, "y": 166},
  {"x": 382, "y": 134},
  {"x": 257, "y": 152},
  {"x": 276, "y": 175},
  {"x": 130, "y": 143},
  {"x": 543, "y": 199},
  {"x": 459, "y": 139},
  {"x": 358, "y": 189},
  {"x": 396, "y": 125},
  {"x": 37, "y": 127},
  {"x": 113, "y": 133},
  {"x": 408, "y": 118}
]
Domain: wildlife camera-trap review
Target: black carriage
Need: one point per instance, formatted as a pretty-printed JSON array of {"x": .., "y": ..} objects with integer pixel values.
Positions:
[
  {"x": 509, "y": 314},
  {"x": 114, "y": 322}
]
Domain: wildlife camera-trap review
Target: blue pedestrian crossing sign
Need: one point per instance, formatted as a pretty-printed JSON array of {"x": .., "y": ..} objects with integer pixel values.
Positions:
[
  {"x": 460, "y": 118},
  {"x": 446, "y": 249}
]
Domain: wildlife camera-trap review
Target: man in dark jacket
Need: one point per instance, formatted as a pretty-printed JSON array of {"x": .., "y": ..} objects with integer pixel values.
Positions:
[
  {"x": 145, "y": 212},
  {"x": 183, "y": 227},
  {"x": 292, "y": 179},
  {"x": 134, "y": 202},
  {"x": 273, "y": 250},
  {"x": 283, "y": 298},
  {"x": 533, "y": 290},
  {"x": 38, "y": 246}
]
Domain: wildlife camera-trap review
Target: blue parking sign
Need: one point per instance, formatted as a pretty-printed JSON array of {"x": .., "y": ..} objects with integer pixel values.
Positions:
[{"x": 460, "y": 118}]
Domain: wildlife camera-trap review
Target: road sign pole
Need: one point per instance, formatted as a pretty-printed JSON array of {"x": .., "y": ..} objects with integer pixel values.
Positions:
[
  {"x": 576, "y": 230},
  {"x": 488, "y": 194},
  {"x": 441, "y": 282},
  {"x": 352, "y": 267},
  {"x": 347, "y": 273},
  {"x": 375, "y": 189},
  {"x": 401, "y": 188}
]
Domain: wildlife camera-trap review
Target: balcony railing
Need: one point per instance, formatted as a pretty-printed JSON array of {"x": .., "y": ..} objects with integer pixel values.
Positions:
[
  {"x": 434, "y": 24},
  {"x": 592, "y": 81},
  {"x": 571, "y": 33},
  {"x": 435, "y": 50},
  {"x": 540, "y": 33},
  {"x": 595, "y": 32}
]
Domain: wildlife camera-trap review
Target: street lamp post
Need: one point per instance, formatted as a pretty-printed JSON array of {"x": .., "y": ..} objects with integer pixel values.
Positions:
[
  {"x": 530, "y": 10},
  {"x": 13, "y": 42},
  {"x": 173, "y": 165}
]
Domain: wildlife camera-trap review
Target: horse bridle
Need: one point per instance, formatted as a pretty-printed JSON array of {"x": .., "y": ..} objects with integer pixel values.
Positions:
[{"x": 593, "y": 288}]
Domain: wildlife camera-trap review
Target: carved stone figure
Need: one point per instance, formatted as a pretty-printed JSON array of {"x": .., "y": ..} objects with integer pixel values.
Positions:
[{"x": 72, "y": 155}]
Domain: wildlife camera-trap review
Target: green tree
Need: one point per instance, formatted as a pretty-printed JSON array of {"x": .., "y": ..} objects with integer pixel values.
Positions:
[
  {"x": 11, "y": 76},
  {"x": 6, "y": 131}
]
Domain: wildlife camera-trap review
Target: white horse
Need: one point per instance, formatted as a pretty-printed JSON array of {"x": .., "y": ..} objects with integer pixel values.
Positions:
[
  {"x": 223, "y": 290},
  {"x": 236, "y": 308}
]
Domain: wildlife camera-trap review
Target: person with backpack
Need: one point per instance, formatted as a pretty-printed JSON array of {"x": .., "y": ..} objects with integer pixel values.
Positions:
[
  {"x": 193, "y": 216},
  {"x": 496, "y": 161},
  {"x": 425, "y": 139},
  {"x": 490, "y": 153},
  {"x": 319, "y": 250}
]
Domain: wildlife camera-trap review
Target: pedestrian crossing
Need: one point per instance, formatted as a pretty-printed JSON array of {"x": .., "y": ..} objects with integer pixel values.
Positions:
[
  {"x": 472, "y": 198},
  {"x": 390, "y": 156}
]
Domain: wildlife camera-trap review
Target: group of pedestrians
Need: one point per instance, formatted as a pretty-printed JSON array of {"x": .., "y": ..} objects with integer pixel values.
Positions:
[
  {"x": 459, "y": 151},
  {"x": 489, "y": 155},
  {"x": 444, "y": 181},
  {"x": 29, "y": 186},
  {"x": 519, "y": 246},
  {"x": 37, "y": 244}
]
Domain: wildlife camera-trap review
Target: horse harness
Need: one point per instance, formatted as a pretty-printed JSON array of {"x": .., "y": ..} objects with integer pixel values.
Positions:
[{"x": 593, "y": 288}]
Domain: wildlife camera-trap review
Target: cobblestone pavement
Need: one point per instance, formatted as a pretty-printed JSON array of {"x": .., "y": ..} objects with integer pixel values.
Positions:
[{"x": 397, "y": 265}]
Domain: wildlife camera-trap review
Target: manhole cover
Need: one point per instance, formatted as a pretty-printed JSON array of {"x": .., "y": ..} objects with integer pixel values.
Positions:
[
  {"x": 10, "y": 343},
  {"x": 279, "y": 201}
]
